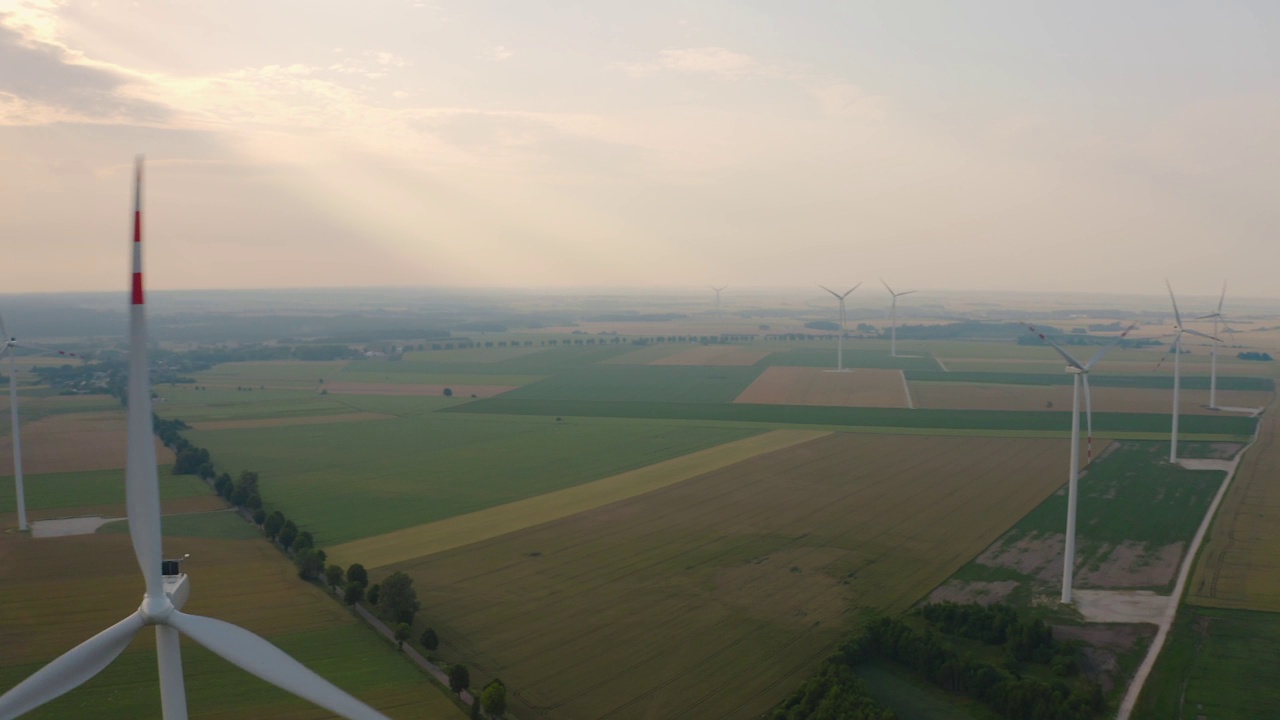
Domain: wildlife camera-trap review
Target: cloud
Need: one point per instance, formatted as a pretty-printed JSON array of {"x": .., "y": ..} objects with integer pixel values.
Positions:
[
  {"x": 715, "y": 61},
  {"x": 498, "y": 53}
]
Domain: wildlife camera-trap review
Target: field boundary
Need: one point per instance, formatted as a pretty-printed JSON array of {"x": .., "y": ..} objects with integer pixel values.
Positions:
[{"x": 431, "y": 538}]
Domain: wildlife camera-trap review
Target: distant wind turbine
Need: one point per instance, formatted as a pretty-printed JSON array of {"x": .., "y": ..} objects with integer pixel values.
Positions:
[
  {"x": 1177, "y": 368},
  {"x": 1081, "y": 374},
  {"x": 840, "y": 340},
  {"x": 718, "y": 291},
  {"x": 166, "y": 586},
  {"x": 893, "y": 318},
  {"x": 1213, "y": 362}
]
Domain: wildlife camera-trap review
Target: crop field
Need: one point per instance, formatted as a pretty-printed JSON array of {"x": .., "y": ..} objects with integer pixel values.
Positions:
[
  {"x": 460, "y": 530},
  {"x": 96, "y": 487},
  {"x": 299, "y": 420},
  {"x": 1149, "y": 366},
  {"x": 192, "y": 405},
  {"x": 1239, "y": 562},
  {"x": 825, "y": 357},
  {"x": 975, "y": 396},
  {"x": 630, "y": 383},
  {"x": 57, "y": 592},
  {"x": 217, "y": 524},
  {"x": 471, "y": 355},
  {"x": 72, "y": 442},
  {"x": 354, "y": 388},
  {"x": 1136, "y": 516},
  {"x": 713, "y": 597},
  {"x": 345, "y": 481},
  {"x": 1212, "y": 427},
  {"x": 715, "y": 355},
  {"x": 1153, "y": 382},
  {"x": 816, "y": 386},
  {"x": 276, "y": 374},
  {"x": 646, "y": 354},
  {"x": 1218, "y": 664}
]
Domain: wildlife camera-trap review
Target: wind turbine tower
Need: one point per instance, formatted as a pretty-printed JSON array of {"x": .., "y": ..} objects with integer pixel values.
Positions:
[
  {"x": 1177, "y": 368},
  {"x": 718, "y": 291},
  {"x": 1213, "y": 357},
  {"x": 167, "y": 588},
  {"x": 893, "y": 317},
  {"x": 1080, "y": 374},
  {"x": 840, "y": 339}
]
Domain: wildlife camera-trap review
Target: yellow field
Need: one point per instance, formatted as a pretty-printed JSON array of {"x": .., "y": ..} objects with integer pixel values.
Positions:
[
  {"x": 981, "y": 396},
  {"x": 864, "y": 387},
  {"x": 735, "y": 355},
  {"x": 73, "y": 442},
  {"x": 432, "y": 538},
  {"x": 1239, "y": 562},
  {"x": 714, "y": 597}
]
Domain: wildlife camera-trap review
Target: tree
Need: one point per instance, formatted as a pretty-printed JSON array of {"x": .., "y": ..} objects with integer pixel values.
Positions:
[
  {"x": 333, "y": 575},
  {"x": 375, "y": 594},
  {"x": 459, "y": 678},
  {"x": 430, "y": 641},
  {"x": 310, "y": 563},
  {"x": 223, "y": 486},
  {"x": 475, "y": 709},
  {"x": 353, "y": 594},
  {"x": 288, "y": 533},
  {"x": 246, "y": 486},
  {"x": 357, "y": 573},
  {"x": 398, "y": 601},
  {"x": 304, "y": 541},
  {"x": 494, "y": 698},
  {"x": 448, "y": 392},
  {"x": 259, "y": 517},
  {"x": 403, "y": 631},
  {"x": 272, "y": 526},
  {"x": 205, "y": 471}
]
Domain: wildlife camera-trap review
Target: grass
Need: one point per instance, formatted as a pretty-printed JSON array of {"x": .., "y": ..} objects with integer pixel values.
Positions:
[
  {"x": 714, "y": 596},
  {"x": 1160, "y": 382},
  {"x": 214, "y": 403},
  {"x": 899, "y": 689},
  {"x": 1217, "y": 663},
  {"x": 634, "y": 383},
  {"x": 221, "y": 525},
  {"x": 275, "y": 373},
  {"x": 345, "y": 481},
  {"x": 839, "y": 416},
  {"x": 95, "y": 487},
  {"x": 460, "y": 530},
  {"x": 853, "y": 358}
]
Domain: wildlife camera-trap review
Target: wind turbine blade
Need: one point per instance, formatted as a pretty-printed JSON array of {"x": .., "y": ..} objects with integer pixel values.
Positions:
[
  {"x": 3, "y": 330},
  {"x": 1222, "y": 297},
  {"x": 1197, "y": 333},
  {"x": 1176, "y": 316},
  {"x": 855, "y": 287},
  {"x": 1088, "y": 419},
  {"x": 833, "y": 292},
  {"x": 142, "y": 486},
  {"x": 1065, "y": 355},
  {"x": 886, "y": 287},
  {"x": 907, "y": 292},
  {"x": 259, "y": 657},
  {"x": 1097, "y": 357},
  {"x": 72, "y": 669}
]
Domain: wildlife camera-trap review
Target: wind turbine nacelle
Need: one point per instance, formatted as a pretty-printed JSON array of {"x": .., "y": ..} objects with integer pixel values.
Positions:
[
  {"x": 177, "y": 589},
  {"x": 1074, "y": 370}
]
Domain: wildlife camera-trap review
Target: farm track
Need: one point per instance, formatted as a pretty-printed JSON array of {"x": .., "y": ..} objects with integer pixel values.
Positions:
[{"x": 696, "y": 574}]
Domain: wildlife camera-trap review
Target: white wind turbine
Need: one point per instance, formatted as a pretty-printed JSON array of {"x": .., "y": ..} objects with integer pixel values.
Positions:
[
  {"x": 1216, "y": 315},
  {"x": 840, "y": 340},
  {"x": 166, "y": 586},
  {"x": 1177, "y": 368},
  {"x": 9, "y": 344},
  {"x": 718, "y": 291},
  {"x": 1081, "y": 374},
  {"x": 893, "y": 318}
]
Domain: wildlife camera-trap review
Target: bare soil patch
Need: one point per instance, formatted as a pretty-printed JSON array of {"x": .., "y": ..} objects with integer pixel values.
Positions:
[
  {"x": 1134, "y": 565},
  {"x": 74, "y": 442},
  {"x": 1104, "y": 643},
  {"x": 864, "y": 387},
  {"x": 714, "y": 355},
  {"x": 973, "y": 591},
  {"x": 1037, "y": 556},
  {"x": 415, "y": 389},
  {"x": 279, "y": 422}
]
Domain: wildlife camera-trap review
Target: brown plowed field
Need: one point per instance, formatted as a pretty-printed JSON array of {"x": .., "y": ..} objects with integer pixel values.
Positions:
[
  {"x": 714, "y": 355},
  {"x": 72, "y": 443},
  {"x": 981, "y": 396},
  {"x": 864, "y": 387},
  {"x": 415, "y": 389},
  {"x": 1239, "y": 562},
  {"x": 714, "y": 597}
]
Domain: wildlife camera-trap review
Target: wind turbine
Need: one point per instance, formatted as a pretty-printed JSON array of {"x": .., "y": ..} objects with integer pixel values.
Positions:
[
  {"x": 8, "y": 345},
  {"x": 840, "y": 340},
  {"x": 893, "y": 318},
  {"x": 166, "y": 586},
  {"x": 1081, "y": 374},
  {"x": 1213, "y": 361},
  {"x": 718, "y": 291},
  {"x": 1177, "y": 368}
]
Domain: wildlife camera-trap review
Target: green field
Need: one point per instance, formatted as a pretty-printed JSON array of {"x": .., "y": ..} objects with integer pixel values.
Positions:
[
  {"x": 1161, "y": 382},
  {"x": 219, "y": 524},
  {"x": 214, "y": 403},
  {"x": 857, "y": 417},
  {"x": 94, "y": 487},
  {"x": 640, "y": 383},
  {"x": 853, "y": 358},
  {"x": 1218, "y": 664},
  {"x": 345, "y": 481},
  {"x": 898, "y": 688}
]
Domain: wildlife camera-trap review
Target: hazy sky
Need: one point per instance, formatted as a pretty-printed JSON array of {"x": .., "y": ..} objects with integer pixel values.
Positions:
[{"x": 1001, "y": 145}]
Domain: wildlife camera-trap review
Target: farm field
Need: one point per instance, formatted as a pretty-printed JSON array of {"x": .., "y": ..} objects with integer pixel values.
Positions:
[
  {"x": 214, "y": 403},
  {"x": 854, "y": 357},
  {"x": 345, "y": 481},
  {"x": 749, "y": 573},
  {"x": 815, "y": 386},
  {"x": 730, "y": 355},
  {"x": 1159, "y": 382},
  {"x": 69, "y": 442},
  {"x": 1136, "y": 516},
  {"x": 1239, "y": 562},
  {"x": 462, "y": 530},
  {"x": 45, "y": 586},
  {"x": 1217, "y": 663},
  {"x": 974, "y": 396},
  {"x": 415, "y": 389},
  {"x": 646, "y": 354},
  {"x": 98, "y": 487},
  {"x": 635, "y": 383},
  {"x": 277, "y": 374}
]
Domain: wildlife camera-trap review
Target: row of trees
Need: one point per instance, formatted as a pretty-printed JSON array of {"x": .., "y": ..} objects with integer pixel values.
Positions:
[{"x": 1028, "y": 640}]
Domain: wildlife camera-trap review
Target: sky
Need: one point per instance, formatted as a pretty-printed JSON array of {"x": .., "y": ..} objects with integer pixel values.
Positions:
[{"x": 1000, "y": 146}]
